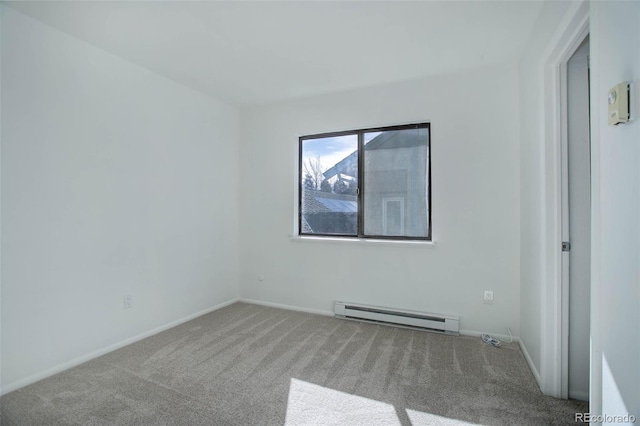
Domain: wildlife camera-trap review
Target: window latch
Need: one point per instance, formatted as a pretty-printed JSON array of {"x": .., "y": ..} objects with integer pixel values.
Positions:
[{"x": 566, "y": 246}]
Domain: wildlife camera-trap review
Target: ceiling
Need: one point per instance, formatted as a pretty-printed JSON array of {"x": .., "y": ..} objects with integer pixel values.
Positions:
[{"x": 246, "y": 53}]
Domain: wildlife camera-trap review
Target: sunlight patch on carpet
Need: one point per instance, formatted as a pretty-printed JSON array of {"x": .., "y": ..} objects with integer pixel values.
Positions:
[
  {"x": 311, "y": 404},
  {"x": 420, "y": 418}
]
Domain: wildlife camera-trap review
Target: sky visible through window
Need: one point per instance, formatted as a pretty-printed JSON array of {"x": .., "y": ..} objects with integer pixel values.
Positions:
[{"x": 333, "y": 149}]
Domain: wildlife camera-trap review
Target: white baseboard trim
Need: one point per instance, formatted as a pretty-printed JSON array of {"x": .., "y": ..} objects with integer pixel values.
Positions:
[
  {"x": 503, "y": 337},
  {"x": 287, "y": 307},
  {"x": 84, "y": 358},
  {"x": 471, "y": 333},
  {"x": 532, "y": 366}
]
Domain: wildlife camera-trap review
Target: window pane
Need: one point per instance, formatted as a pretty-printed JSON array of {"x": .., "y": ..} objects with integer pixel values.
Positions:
[
  {"x": 329, "y": 180},
  {"x": 395, "y": 183}
]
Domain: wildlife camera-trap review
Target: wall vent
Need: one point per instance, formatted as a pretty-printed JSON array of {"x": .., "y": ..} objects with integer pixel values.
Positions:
[{"x": 402, "y": 318}]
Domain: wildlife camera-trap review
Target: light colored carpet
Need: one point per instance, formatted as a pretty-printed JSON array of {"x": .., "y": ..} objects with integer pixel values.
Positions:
[{"x": 253, "y": 365}]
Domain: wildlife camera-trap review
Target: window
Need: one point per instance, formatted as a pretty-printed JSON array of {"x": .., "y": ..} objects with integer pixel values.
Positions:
[{"x": 371, "y": 183}]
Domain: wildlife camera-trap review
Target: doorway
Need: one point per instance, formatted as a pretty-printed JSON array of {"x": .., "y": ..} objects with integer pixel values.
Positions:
[{"x": 576, "y": 224}]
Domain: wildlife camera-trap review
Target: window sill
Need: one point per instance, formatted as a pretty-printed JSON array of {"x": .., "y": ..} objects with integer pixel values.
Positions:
[{"x": 362, "y": 241}]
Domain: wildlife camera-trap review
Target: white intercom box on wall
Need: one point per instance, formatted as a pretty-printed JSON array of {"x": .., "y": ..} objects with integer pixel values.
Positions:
[{"x": 619, "y": 104}]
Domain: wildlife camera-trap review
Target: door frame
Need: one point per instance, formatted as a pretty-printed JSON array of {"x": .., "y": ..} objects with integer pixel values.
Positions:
[{"x": 554, "y": 372}]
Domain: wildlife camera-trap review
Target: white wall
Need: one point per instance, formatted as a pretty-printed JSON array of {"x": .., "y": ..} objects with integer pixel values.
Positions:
[
  {"x": 532, "y": 184},
  {"x": 114, "y": 181},
  {"x": 475, "y": 189},
  {"x": 615, "y": 57}
]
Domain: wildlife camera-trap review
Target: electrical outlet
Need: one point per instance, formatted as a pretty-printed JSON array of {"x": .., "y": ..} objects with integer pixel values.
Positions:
[
  {"x": 127, "y": 301},
  {"x": 488, "y": 297}
]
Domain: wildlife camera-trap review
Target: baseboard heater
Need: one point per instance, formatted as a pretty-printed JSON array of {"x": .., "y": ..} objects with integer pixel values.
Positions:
[{"x": 418, "y": 320}]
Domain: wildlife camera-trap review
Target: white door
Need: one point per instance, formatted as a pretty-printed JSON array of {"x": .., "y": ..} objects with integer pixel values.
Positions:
[{"x": 579, "y": 218}]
